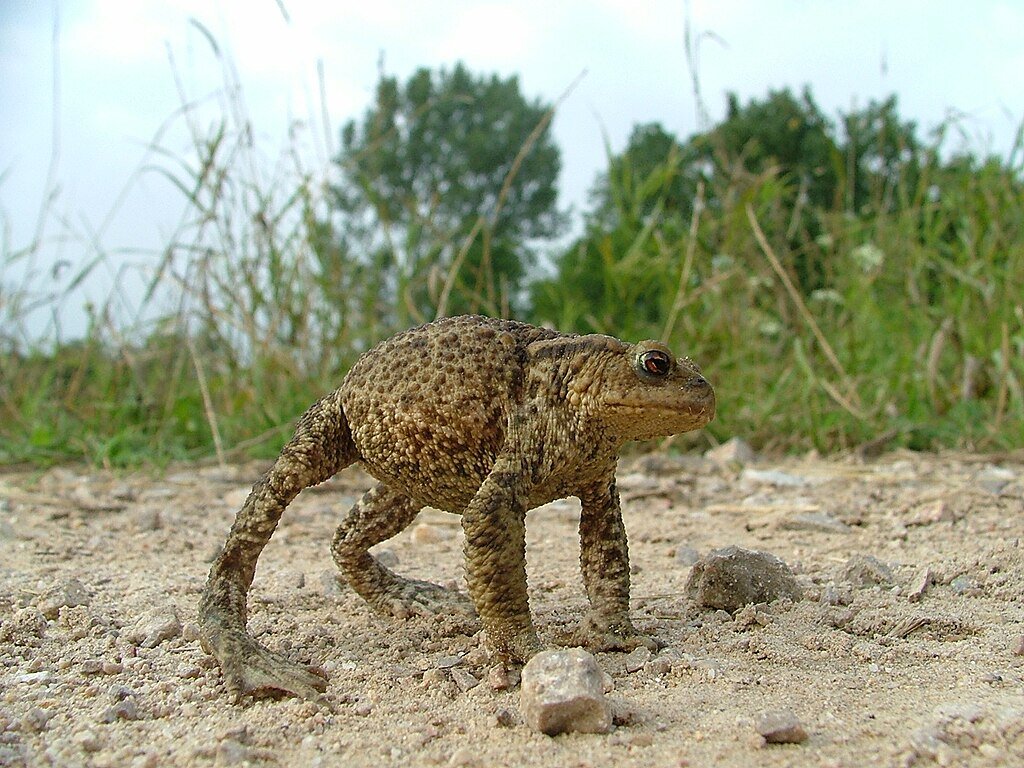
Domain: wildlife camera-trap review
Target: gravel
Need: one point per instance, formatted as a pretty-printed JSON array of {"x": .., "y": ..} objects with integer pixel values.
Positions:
[{"x": 869, "y": 665}]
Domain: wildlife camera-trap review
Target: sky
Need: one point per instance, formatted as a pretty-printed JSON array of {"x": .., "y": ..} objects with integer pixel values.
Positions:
[{"x": 89, "y": 86}]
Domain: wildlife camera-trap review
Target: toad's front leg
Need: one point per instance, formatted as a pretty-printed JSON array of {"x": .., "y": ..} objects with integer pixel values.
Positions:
[
  {"x": 495, "y": 527},
  {"x": 604, "y": 560}
]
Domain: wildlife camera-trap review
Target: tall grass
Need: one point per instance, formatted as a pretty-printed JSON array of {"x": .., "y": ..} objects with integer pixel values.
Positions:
[
  {"x": 915, "y": 336},
  {"x": 254, "y": 309}
]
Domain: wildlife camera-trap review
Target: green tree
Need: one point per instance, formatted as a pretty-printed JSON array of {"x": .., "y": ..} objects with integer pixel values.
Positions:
[
  {"x": 613, "y": 278},
  {"x": 449, "y": 171},
  {"x": 781, "y": 131},
  {"x": 654, "y": 170}
]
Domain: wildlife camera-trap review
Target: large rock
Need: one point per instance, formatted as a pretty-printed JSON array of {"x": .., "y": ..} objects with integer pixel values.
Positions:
[
  {"x": 563, "y": 691},
  {"x": 731, "y": 578}
]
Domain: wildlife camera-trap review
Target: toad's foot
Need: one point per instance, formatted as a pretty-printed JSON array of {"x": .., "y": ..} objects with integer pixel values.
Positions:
[
  {"x": 511, "y": 644},
  {"x": 408, "y": 598},
  {"x": 621, "y": 636},
  {"x": 250, "y": 668}
]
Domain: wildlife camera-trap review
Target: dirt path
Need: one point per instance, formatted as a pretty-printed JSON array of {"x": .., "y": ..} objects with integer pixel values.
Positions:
[{"x": 906, "y": 649}]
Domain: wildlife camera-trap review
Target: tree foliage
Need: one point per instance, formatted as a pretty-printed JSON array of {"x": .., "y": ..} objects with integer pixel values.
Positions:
[
  {"x": 783, "y": 132},
  {"x": 779, "y": 152},
  {"x": 882, "y": 157},
  {"x": 444, "y": 163}
]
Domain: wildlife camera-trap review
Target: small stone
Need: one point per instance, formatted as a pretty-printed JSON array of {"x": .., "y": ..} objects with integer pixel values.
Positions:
[
  {"x": 665, "y": 465},
  {"x": 1018, "y": 646},
  {"x": 425, "y": 533},
  {"x": 658, "y": 666},
  {"x": 464, "y": 679},
  {"x": 31, "y": 678},
  {"x": 447, "y": 662},
  {"x": 751, "y": 615},
  {"x": 964, "y": 585},
  {"x": 190, "y": 632},
  {"x": 625, "y": 715},
  {"x": 780, "y": 727},
  {"x": 68, "y": 593},
  {"x": 422, "y": 737},
  {"x": 120, "y": 692},
  {"x": 155, "y": 627},
  {"x": 735, "y": 450},
  {"x": 148, "y": 520},
  {"x": 331, "y": 584},
  {"x": 236, "y": 732},
  {"x": 607, "y": 682},
  {"x": 949, "y": 711},
  {"x": 147, "y": 760},
  {"x": 819, "y": 522},
  {"x": 26, "y": 622},
  {"x": 636, "y": 659},
  {"x": 919, "y": 584},
  {"x": 836, "y": 595},
  {"x": 92, "y": 666},
  {"x": 504, "y": 718},
  {"x": 686, "y": 556},
  {"x": 235, "y": 498},
  {"x": 644, "y": 739},
  {"x": 231, "y": 752},
  {"x": 933, "y": 512},
  {"x": 37, "y": 719},
  {"x": 88, "y": 741},
  {"x": 363, "y": 707},
  {"x": 563, "y": 691},
  {"x": 386, "y": 557},
  {"x": 775, "y": 477},
  {"x": 501, "y": 677},
  {"x": 727, "y": 579},
  {"x": 868, "y": 571},
  {"x": 639, "y": 484},
  {"x": 126, "y": 709},
  {"x": 993, "y": 754},
  {"x": 463, "y": 756},
  {"x": 123, "y": 492},
  {"x": 433, "y": 677},
  {"x": 994, "y": 479}
]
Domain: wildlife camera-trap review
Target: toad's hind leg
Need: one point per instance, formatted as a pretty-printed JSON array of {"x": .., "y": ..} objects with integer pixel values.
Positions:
[
  {"x": 378, "y": 515},
  {"x": 322, "y": 445}
]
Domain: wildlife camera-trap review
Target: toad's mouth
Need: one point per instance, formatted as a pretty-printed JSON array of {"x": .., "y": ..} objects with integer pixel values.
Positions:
[{"x": 697, "y": 408}]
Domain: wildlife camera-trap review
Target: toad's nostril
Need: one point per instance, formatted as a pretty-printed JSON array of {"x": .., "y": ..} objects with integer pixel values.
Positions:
[{"x": 699, "y": 383}]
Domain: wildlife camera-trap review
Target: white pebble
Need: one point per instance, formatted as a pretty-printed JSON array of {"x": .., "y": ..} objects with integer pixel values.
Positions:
[{"x": 562, "y": 691}]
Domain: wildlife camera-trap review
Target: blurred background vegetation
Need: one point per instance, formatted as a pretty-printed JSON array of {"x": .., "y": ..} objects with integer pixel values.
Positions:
[{"x": 845, "y": 283}]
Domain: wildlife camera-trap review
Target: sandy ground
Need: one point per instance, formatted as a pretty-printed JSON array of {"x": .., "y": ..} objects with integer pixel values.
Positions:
[{"x": 905, "y": 649}]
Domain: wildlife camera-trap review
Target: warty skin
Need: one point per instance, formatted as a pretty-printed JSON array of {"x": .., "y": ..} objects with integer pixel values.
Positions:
[{"x": 481, "y": 417}]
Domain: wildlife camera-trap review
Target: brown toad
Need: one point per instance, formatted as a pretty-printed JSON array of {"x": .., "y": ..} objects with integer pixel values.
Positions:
[{"x": 482, "y": 417}]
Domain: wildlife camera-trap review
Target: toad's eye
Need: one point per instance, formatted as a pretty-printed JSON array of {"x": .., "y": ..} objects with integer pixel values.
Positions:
[{"x": 655, "y": 363}]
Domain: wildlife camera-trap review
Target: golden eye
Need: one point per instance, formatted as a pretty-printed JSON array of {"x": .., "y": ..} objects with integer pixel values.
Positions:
[{"x": 655, "y": 363}]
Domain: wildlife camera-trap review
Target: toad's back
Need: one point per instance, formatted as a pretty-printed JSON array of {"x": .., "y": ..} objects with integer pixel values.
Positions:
[
  {"x": 487, "y": 418},
  {"x": 429, "y": 407}
]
